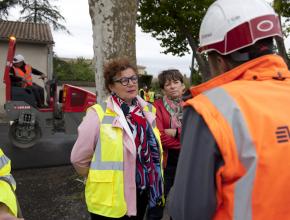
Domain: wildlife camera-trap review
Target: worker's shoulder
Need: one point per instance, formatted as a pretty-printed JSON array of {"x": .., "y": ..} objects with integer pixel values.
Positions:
[{"x": 186, "y": 95}]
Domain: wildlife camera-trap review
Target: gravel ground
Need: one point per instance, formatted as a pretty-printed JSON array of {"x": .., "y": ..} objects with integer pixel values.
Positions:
[{"x": 52, "y": 194}]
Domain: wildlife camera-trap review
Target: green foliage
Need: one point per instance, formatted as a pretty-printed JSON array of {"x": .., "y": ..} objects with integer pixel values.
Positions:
[
  {"x": 195, "y": 77},
  {"x": 176, "y": 24},
  {"x": 155, "y": 86},
  {"x": 172, "y": 22},
  {"x": 77, "y": 70},
  {"x": 36, "y": 11},
  {"x": 144, "y": 79},
  {"x": 282, "y": 7},
  {"x": 42, "y": 11},
  {"x": 4, "y": 7}
]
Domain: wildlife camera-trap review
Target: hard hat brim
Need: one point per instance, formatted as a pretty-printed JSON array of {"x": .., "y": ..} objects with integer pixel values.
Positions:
[{"x": 246, "y": 34}]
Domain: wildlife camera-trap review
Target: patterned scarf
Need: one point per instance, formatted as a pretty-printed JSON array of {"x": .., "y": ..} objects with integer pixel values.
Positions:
[
  {"x": 174, "y": 107},
  {"x": 148, "y": 168}
]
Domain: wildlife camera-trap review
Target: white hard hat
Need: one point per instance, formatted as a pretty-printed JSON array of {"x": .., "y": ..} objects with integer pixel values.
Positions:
[
  {"x": 18, "y": 58},
  {"x": 230, "y": 25}
]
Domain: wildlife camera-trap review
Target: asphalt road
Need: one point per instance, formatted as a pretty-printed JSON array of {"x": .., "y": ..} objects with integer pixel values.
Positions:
[{"x": 49, "y": 151}]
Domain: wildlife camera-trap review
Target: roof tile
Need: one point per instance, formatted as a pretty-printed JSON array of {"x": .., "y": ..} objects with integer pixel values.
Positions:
[{"x": 26, "y": 31}]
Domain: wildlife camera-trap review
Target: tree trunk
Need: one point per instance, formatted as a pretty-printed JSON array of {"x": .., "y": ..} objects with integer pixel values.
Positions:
[
  {"x": 281, "y": 47},
  {"x": 113, "y": 23},
  {"x": 277, "y": 4},
  {"x": 282, "y": 50},
  {"x": 35, "y": 12},
  {"x": 201, "y": 61},
  {"x": 192, "y": 68}
]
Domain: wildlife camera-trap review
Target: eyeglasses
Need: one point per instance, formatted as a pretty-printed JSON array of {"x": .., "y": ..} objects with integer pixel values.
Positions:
[{"x": 125, "y": 80}]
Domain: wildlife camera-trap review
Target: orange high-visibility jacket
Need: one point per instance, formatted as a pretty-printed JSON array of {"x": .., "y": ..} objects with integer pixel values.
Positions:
[
  {"x": 25, "y": 75},
  {"x": 248, "y": 112}
]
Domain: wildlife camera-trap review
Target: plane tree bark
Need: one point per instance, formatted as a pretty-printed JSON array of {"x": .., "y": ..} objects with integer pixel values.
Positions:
[{"x": 113, "y": 23}]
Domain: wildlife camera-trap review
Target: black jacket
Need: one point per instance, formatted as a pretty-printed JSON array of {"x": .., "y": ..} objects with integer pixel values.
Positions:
[{"x": 194, "y": 193}]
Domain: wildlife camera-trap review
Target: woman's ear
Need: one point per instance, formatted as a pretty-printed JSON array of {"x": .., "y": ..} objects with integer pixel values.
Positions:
[{"x": 111, "y": 87}]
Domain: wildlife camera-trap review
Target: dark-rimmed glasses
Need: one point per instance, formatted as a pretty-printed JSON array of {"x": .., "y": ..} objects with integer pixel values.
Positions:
[{"x": 125, "y": 80}]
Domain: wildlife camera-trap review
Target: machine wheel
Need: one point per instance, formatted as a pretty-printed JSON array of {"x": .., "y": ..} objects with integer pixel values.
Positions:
[{"x": 24, "y": 136}]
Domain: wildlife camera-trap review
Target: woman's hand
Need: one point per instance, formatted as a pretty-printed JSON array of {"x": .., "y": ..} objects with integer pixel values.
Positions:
[
  {"x": 171, "y": 132},
  {"x": 83, "y": 171},
  {"x": 5, "y": 215}
]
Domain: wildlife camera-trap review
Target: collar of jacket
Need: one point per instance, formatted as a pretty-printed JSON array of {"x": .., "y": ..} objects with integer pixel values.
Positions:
[
  {"x": 262, "y": 68},
  {"x": 113, "y": 107},
  {"x": 120, "y": 120}
]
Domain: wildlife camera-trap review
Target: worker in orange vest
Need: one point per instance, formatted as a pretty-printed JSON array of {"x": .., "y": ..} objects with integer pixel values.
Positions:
[
  {"x": 234, "y": 162},
  {"x": 144, "y": 93},
  {"x": 21, "y": 76}
]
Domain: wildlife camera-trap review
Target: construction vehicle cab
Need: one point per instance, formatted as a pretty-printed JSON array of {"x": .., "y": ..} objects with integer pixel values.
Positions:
[{"x": 28, "y": 123}]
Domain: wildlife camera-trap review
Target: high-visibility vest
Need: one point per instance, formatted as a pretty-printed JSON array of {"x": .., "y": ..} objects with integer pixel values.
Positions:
[
  {"x": 24, "y": 75},
  {"x": 151, "y": 96},
  {"x": 146, "y": 95},
  {"x": 7, "y": 196},
  {"x": 248, "y": 113},
  {"x": 105, "y": 183}
]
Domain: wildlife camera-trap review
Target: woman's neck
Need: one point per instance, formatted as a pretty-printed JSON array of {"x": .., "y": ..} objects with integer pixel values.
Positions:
[
  {"x": 129, "y": 102},
  {"x": 173, "y": 98}
]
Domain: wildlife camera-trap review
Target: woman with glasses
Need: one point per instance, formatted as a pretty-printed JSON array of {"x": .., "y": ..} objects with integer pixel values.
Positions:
[{"x": 119, "y": 152}]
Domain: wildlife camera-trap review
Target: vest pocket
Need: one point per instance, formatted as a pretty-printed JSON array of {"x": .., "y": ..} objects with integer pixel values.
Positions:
[{"x": 100, "y": 187}]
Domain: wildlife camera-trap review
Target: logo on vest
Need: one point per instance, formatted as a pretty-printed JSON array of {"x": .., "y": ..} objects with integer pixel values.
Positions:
[{"x": 282, "y": 134}]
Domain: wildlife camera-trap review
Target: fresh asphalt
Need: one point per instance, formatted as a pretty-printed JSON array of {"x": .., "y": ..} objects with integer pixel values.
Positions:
[{"x": 53, "y": 150}]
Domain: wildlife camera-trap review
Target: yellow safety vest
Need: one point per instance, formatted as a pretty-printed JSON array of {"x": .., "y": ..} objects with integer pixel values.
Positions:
[
  {"x": 151, "y": 96},
  {"x": 7, "y": 196},
  {"x": 146, "y": 95},
  {"x": 105, "y": 184}
]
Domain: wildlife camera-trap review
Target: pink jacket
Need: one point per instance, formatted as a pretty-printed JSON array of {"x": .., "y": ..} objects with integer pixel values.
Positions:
[{"x": 84, "y": 147}]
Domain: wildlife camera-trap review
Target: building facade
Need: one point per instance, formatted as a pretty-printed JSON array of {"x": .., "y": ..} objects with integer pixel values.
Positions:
[{"x": 33, "y": 41}]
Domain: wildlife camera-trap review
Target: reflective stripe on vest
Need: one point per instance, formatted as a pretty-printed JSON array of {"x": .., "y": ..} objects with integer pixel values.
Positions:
[
  {"x": 245, "y": 148},
  {"x": 3, "y": 161},
  {"x": 6, "y": 192},
  {"x": 5, "y": 169},
  {"x": 98, "y": 164}
]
